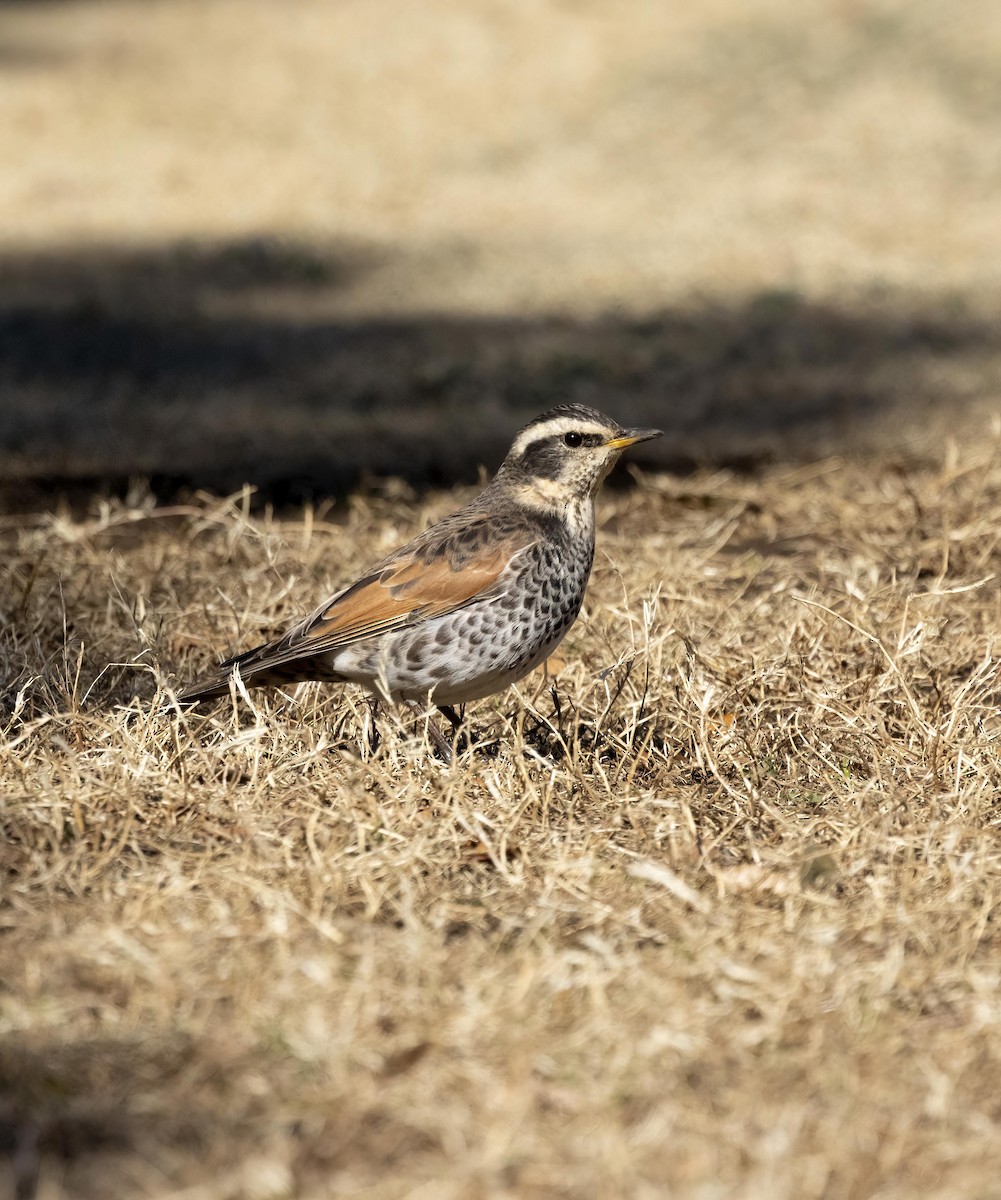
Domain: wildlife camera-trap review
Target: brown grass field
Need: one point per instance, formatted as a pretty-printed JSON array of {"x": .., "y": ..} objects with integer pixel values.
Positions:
[
  {"x": 717, "y": 916},
  {"x": 711, "y": 910}
]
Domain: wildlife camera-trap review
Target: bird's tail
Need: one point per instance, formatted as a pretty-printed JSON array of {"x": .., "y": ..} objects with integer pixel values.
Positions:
[
  {"x": 218, "y": 684},
  {"x": 257, "y": 669}
]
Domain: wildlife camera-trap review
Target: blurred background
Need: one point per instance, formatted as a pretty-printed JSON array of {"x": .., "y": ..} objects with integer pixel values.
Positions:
[{"x": 297, "y": 242}]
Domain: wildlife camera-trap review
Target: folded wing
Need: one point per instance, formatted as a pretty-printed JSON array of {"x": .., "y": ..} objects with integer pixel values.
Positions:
[{"x": 417, "y": 583}]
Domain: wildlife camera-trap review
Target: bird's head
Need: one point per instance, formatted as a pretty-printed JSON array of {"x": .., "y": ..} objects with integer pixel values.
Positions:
[{"x": 564, "y": 455}]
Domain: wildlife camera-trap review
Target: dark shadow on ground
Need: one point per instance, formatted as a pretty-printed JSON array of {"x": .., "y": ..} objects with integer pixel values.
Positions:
[
  {"x": 81, "y": 1108},
  {"x": 214, "y": 365},
  {"x": 84, "y": 1110},
  {"x": 75, "y": 1104}
]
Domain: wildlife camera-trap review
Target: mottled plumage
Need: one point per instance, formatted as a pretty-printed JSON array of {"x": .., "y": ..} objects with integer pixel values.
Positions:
[{"x": 476, "y": 601}]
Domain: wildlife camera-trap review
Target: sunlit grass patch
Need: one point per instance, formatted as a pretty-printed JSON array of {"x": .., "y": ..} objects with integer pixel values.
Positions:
[{"x": 712, "y": 900}]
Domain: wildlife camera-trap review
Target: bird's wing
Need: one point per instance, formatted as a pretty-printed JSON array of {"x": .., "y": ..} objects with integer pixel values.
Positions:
[{"x": 423, "y": 580}]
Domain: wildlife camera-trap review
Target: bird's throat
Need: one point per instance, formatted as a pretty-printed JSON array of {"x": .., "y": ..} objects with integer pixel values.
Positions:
[{"x": 553, "y": 499}]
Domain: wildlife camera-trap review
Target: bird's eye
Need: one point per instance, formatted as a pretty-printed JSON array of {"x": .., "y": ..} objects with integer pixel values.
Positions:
[{"x": 573, "y": 439}]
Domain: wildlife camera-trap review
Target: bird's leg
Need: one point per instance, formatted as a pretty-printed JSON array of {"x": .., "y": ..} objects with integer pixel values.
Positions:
[
  {"x": 373, "y": 737},
  {"x": 458, "y": 723},
  {"x": 441, "y": 743},
  {"x": 451, "y": 716}
]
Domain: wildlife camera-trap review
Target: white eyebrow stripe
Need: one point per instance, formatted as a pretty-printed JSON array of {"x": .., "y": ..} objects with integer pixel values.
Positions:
[{"x": 554, "y": 428}]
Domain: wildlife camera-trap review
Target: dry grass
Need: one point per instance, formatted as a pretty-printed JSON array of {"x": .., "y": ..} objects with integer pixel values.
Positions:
[{"x": 717, "y": 917}]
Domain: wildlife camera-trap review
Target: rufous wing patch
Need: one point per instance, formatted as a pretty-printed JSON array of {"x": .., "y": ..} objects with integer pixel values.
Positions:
[{"x": 400, "y": 593}]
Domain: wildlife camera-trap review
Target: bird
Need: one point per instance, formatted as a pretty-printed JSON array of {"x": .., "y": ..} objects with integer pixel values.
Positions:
[{"x": 472, "y": 604}]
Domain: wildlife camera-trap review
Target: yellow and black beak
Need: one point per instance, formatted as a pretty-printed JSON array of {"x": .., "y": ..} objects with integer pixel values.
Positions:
[{"x": 629, "y": 437}]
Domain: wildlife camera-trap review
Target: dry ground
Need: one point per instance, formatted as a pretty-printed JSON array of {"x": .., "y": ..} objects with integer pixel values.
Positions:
[{"x": 717, "y": 918}]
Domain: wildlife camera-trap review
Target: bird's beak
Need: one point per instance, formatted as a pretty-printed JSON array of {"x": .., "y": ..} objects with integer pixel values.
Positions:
[{"x": 629, "y": 437}]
